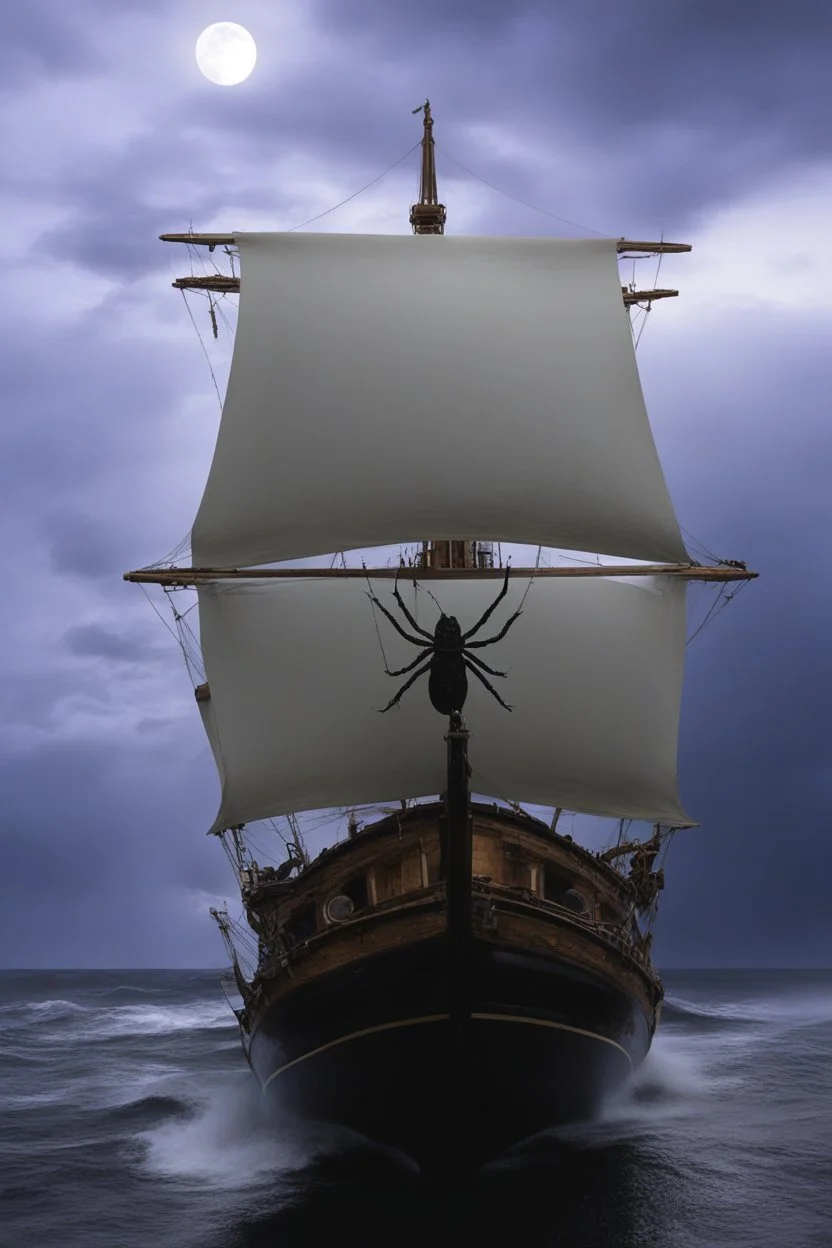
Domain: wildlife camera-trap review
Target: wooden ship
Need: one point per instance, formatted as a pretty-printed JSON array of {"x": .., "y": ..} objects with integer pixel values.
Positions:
[{"x": 457, "y": 975}]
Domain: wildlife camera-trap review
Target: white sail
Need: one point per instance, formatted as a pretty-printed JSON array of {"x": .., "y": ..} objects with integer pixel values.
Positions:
[
  {"x": 296, "y": 675},
  {"x": 389, "y": 389}
]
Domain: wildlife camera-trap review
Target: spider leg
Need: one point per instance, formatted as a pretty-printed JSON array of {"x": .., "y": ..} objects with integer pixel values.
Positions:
[
  {"x": 406, "y": 612},
  {"x": 416, "y": 641},
  {"x": 401, "y": 671},
  {"x": 406, "y": 686},
  {"x": 487, "y": 684},
  {"x": 489, "y": 610},
  {"x": 472, "y": 658},
  {"x": 489, "y": 641}
]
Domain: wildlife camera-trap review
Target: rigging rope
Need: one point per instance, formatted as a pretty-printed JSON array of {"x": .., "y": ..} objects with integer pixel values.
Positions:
[
  {"x": 355, "y": 194},
  {"x": 718, "y": 606},
  {"x": 534, "y": 207},
  {"x": 204, "y": 349},
  {"x": 375, "y": 618}
]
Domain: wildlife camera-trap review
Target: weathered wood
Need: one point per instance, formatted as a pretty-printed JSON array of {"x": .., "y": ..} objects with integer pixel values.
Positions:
[
  {"x": 340, "y": 946},
  {"x": 569, "y": 943},
  {"x": 626, "y": 245},
  {"x": 200, "y": 240},
  {"x": 645, "y": 296},
  {"x": 220, "y": 283},
  {"x": 196, "y": 576}
]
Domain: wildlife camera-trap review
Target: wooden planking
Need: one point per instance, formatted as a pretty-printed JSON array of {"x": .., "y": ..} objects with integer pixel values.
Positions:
[
  {"x": 352, "y": 942},
  {"x": 579, "y": 948}
]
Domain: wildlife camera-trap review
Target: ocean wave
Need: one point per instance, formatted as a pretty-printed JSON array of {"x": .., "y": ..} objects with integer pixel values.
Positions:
[
  {"x": 147, "y": 1110},
  {"x": 125, "y": 1021},
  {"x": 125, "y": 988},
  {"x": 20, "y": 1013},
  {"x": 797, "y": 1009},
  {"x": 677, "y": 1010}
]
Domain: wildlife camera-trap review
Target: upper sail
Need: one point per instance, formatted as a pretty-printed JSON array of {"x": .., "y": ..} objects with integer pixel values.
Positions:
[{"x": 391, "y": 389}]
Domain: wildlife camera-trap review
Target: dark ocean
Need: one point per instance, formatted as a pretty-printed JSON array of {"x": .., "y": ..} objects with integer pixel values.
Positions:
[{"x": 129, "y": 1119}]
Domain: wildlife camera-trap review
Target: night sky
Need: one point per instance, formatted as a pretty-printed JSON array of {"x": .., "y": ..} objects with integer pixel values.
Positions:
[{"x": 700, "y": 120}]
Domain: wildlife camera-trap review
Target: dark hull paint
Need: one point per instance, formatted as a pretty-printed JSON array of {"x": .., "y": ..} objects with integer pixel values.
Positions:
[{"x": 371, "y": 1047}]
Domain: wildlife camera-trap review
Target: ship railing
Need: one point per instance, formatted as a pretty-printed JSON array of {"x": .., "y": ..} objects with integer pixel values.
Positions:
[
  {"x": 422, "y": 898},
  {"x": 524, "y": 899}
]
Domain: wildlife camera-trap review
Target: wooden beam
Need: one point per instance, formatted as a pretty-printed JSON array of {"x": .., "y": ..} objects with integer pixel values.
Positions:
[
  {"x": 219, "y": 283},
  {"x": 625, "y": 245},
  {"x": 200, "y": 240},
  {"x": 645, "y": 296},
  {"x": 199, "y": 576},
  {"x": 652, "y": 249}
]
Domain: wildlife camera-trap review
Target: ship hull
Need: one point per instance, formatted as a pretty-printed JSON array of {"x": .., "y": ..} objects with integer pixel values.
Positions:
[{"x": 450, "y": 1074}]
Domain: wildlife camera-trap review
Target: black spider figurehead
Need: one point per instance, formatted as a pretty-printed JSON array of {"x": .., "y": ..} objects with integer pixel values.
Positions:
[{"x": 446, "y": 656}]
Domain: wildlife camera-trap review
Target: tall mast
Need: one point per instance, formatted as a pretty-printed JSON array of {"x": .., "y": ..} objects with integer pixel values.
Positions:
[{"x": 428, "y": 217}]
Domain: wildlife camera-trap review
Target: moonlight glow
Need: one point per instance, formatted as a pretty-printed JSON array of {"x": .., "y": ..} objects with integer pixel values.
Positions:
[{"x": 226, "y": 52}]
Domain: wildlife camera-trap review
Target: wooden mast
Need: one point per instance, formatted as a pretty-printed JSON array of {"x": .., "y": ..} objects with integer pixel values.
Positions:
[{"x": 428, "y": 217}]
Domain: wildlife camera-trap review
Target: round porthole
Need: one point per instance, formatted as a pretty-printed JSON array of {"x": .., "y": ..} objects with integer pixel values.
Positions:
[
  {"x": 573, "y": 900},
  {"x": 339, "y": 908}
]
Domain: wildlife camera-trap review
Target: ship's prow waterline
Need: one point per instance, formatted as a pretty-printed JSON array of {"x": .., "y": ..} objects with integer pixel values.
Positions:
[{"x": 457, "y": 975}]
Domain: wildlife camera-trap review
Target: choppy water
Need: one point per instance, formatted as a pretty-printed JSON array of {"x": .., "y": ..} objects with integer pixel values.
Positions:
[{"x": 129, "y": 1119}]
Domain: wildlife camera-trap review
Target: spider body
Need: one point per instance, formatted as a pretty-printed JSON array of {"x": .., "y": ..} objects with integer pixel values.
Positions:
[
  {"x": 447, "y": 678},
  {"x": 447, "y": 656}
]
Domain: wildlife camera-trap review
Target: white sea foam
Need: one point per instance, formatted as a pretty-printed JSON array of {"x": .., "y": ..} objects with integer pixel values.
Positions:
[
  {"x": 672, "y": 1071},
  {"x": 234, "y": 1140}
]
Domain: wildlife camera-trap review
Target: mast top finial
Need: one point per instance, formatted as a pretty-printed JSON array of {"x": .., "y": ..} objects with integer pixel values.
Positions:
[{"x": 428, "y": 216}]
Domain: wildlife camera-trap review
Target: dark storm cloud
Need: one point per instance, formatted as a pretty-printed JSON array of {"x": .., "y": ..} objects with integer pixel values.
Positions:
[
  {"x": 55, "y": 38},
  {"x": 115, "y": 233},
  {"x": 636, "y": 117},
  {"x": 749, "y": 470},
  {"x": 47, "y": 38},
  {"x": 94, "y": 641},
  {"x": 86, "y": 411},
  {"x": 81, "y": 546},
  {"x": 96, "y": 872},
  {"x": 33, "y": 700},
  {"x": 750, "y": 64}
]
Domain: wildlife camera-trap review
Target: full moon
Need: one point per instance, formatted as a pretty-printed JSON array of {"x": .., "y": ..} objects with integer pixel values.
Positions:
[{"x": 226, "y": 52}]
